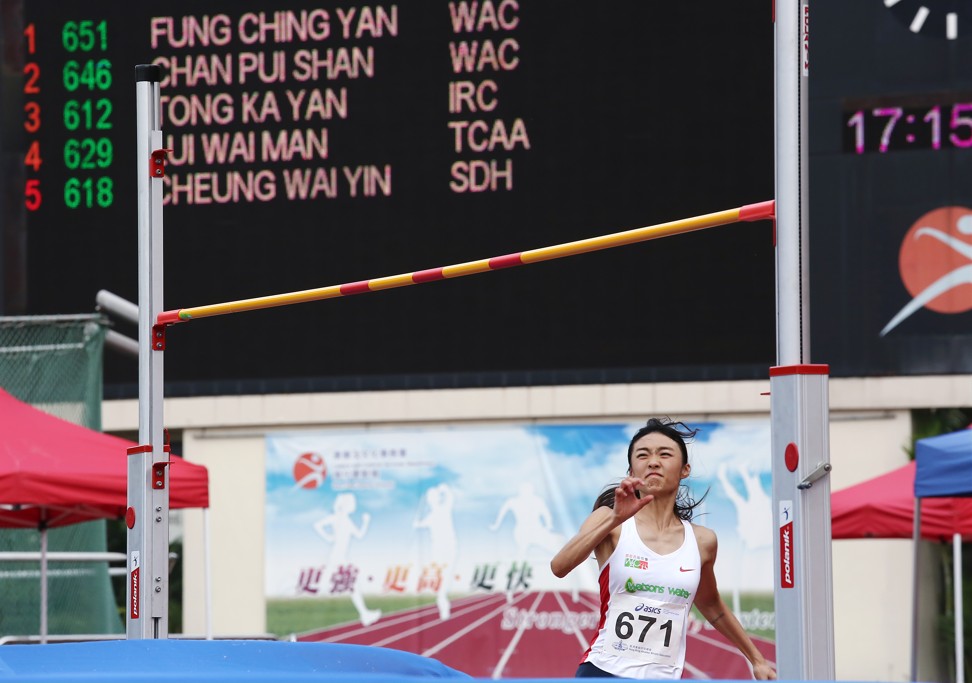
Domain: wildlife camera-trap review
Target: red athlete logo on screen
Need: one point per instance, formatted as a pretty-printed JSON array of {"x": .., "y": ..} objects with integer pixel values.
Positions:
[
  {"x": 310, "y": 470},
  {"x": 936, "y": 263}
]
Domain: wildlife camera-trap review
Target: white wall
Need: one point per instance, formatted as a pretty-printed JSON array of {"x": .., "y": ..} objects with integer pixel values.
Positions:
[
  {"x": 870, "y": 425},
  {"x": 237, "y": 488},
  {"x": 871, "y": 634}
]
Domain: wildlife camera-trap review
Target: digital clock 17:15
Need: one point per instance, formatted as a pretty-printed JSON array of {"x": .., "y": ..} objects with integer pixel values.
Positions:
[{"x": 890, "y": 128}]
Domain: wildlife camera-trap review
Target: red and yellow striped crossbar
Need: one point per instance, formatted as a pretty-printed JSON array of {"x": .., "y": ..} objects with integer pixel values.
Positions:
[{"x": 750, "y": 212}]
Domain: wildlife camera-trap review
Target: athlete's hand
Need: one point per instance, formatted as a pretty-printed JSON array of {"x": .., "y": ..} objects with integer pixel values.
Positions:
[
  {"x": 764, "y": 671},
  {"x": 626, "y": 500}
]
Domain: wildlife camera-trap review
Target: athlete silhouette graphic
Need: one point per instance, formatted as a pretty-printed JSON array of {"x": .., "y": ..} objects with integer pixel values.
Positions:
[
  {"x": 754, "y": 520},
  {"x": 533, "y": 528},
  {"x": 338, "y": 529},
  {"x": 442, "y": 534}
]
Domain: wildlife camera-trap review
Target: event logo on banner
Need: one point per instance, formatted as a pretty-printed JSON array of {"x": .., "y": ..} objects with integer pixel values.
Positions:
[{"x": 438, "y": 540}]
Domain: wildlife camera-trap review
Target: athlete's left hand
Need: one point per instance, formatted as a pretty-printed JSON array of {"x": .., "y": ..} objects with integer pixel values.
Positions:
[{"x": 764, "y": 671}]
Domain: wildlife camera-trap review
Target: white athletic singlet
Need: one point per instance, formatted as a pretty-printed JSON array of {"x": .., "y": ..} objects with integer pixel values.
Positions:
[{"x": 645, "y": 602}]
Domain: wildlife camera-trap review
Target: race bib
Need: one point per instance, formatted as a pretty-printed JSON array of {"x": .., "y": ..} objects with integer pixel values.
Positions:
[{"x": 645, "y": 630}]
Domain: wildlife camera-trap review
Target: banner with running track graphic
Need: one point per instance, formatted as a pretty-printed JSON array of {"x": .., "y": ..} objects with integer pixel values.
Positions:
[{"x": 437, "y": 540}]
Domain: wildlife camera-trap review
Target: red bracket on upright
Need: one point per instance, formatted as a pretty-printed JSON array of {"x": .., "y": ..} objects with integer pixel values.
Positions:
[
  {"x": 158, "y": 468},
  {"x": 158, "y": 337},
  {"x": 158, "y": 329},
  {"x": 157, "y": 163},
  {"x": 158, "y": 474}
]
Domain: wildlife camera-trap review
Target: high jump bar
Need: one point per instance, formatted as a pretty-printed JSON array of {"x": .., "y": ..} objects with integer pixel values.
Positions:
[{"x": 749, "y": 212}]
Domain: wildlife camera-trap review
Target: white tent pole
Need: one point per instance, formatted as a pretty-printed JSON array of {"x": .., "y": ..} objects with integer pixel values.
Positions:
[
  {"x": 957, "y": 593},
  {"x": 915, "y": 585},
  {"x": 208, "y": 587},
  {"x": 43, "y": 584}
]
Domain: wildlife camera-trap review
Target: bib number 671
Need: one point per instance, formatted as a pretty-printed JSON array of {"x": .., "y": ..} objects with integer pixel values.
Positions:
[{"x": 624, "y": 627}]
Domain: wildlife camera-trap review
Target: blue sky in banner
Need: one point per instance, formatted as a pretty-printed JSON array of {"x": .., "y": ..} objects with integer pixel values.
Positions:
[{"x": 432, "y": 492}]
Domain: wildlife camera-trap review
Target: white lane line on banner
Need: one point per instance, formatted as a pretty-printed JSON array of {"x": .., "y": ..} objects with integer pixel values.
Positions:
[
  {"x": 498, "y": 671},
  {"x": 471, "y": 627},
  {"x": 580, "y": 636},
  {"x": 466, "y": 609}
]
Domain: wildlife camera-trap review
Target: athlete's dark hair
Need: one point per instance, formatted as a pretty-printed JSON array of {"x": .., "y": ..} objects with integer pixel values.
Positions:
[{"x": 678, "y": 432}]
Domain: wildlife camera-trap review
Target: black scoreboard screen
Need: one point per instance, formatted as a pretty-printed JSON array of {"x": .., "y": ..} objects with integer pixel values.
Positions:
[{"x": 318, "y": 143}]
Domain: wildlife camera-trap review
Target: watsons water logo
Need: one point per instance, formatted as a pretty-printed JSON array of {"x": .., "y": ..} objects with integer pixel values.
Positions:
[{"x": 633, "y": 587}]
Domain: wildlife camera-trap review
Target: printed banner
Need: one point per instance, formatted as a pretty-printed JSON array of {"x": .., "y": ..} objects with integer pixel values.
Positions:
[{"x": 437, "y": 540}]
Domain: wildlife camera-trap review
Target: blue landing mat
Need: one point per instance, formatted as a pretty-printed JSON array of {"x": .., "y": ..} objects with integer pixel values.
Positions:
[{"x": 167, "y": 661}]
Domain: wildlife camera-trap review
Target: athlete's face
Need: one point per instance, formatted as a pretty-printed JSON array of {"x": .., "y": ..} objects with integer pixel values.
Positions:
[{"x": 657, "y": 460}]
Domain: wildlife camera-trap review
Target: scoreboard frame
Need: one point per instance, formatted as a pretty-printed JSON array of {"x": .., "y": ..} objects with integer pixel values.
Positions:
[{"x": 449, "y": 134}]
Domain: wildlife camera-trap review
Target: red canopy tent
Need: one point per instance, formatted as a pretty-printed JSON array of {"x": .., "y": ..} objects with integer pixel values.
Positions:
[
  {"x": 884, "y": 507},
  {"x": 54, "y": 473}
]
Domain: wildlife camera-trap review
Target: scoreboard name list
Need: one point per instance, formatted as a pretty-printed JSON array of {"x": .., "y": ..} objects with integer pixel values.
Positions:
[{"x": 250, "y": 102}]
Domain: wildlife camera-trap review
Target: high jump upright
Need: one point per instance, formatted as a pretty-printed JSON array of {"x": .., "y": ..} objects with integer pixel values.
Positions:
[
  {"x": 799, "y": 410},
  {"x": 147, "y": 517}
]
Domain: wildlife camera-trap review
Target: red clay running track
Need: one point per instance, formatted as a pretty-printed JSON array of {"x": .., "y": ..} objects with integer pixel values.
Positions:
[{"x": 531, "y": 635}]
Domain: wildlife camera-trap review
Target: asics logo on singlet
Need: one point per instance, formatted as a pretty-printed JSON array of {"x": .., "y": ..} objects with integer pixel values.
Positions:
[{"x": 648, "y": 608}]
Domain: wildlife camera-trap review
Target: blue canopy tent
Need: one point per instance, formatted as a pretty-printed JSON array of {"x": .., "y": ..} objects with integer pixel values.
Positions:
[
  {"x": 943, "y": 469},
  {"x": 944, "y": 465}
]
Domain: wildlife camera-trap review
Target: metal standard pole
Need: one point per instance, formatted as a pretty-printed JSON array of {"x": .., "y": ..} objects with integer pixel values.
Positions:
[
  {"x": 792, "y": 171},
  {"x": 148, "y": 492},
  {"x": 799, "y": 407}
]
